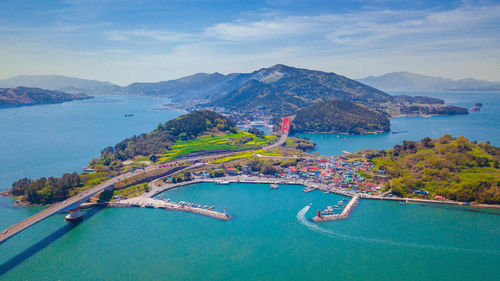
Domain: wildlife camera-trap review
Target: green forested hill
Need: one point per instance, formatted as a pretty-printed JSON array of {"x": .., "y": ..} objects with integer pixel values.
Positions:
[
  {"x": 281, "y": 90},
  {"x": 451, "y": 167},
  {"x": 284, "y": 89},
  {"x": 160, "y": 140},
  {"x": 195, "y": 132},
  {"x": 337, "y": 116},
  {"x": 20, "y": 96}
]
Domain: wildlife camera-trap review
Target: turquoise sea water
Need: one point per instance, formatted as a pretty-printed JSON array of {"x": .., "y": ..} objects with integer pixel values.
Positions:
[
  {"x": 49, "y": 140},
  {"x": 480, "y": 126},
  {"x": 270, "y": 237},
  {"x": 266, "y": 240}
]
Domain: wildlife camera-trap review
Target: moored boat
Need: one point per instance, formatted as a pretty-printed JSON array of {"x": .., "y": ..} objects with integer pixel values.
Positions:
[{"x": 222, "y": 182}]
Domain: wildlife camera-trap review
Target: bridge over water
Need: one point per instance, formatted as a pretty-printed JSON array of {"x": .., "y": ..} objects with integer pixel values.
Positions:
[
  {"x": 69, "y": 204},
  {"x": 73, "y": 204}
]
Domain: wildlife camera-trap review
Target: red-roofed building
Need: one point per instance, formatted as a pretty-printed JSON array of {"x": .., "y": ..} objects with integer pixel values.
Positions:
[{"x": 231, "y": 171}]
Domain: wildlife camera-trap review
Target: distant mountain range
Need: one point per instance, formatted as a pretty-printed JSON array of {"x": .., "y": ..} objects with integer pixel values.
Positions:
[
  {"x": 203, "y": 86},
  {"x": 61, "y": 83},
  {"x": 20, "y": 96},
  {"x": 197, "y": 86},
  {"x": 276, "y": 91},
  {"x": 283, "y": 90},
  {"x": 407, "y": 81}
]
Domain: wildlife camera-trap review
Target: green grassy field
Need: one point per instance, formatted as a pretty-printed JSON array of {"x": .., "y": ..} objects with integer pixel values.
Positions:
[
  {"x": 235, "y": 142},
  {"x": 131, "y": 191}
]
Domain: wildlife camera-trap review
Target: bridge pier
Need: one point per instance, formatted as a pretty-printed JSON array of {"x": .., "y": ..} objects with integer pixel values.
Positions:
[{"x": 74, "y": 215}]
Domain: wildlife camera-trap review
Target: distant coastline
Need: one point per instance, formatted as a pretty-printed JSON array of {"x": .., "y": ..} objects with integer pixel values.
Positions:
[{"x": 23, "y": 96}]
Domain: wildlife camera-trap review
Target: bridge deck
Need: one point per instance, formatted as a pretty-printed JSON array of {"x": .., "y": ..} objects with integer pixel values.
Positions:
[
  {"x": 54, "y": 209},
  {"x": 82, "y": 197}
]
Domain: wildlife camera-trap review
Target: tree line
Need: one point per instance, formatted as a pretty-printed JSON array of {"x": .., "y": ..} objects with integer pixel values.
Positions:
[
  {"x": 455, "y": 168},
  {"x": 46, "y": 190}
]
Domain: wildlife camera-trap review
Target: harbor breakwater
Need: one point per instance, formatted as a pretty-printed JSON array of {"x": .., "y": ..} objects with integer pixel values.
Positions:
[
  {"x": 345, "y": 213},
  {"x": 160, "y": 204}
]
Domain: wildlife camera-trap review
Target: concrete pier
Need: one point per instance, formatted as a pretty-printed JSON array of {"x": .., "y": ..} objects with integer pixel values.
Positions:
[
  {"x": 74, "y": 215},
  {"x": 345, "y": 213},
  {"x": 160, "y": 204}
]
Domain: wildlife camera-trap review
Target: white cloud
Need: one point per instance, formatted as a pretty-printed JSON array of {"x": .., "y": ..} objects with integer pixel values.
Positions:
[
  {"x": 137, "y": 34},
  {"x": 456, "y": 43},
  {"x": 365, "y": 29},
  {"x": 260, "y": 30}
]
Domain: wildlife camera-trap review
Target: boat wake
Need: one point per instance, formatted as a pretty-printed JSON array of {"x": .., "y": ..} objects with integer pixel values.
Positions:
[{"x": 301, "y": 217}]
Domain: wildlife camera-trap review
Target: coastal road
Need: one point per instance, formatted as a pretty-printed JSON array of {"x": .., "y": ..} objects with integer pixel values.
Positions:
[
  {"x": 281, "y": 141},
  {"x": 76, "y": 200}
]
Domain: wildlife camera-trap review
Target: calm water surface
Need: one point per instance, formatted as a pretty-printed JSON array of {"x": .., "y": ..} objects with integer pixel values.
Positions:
[
  {"x": 270, "y": 237},
  {"x": 480, "y": 126},
  {"x": 49, "y": 140}
]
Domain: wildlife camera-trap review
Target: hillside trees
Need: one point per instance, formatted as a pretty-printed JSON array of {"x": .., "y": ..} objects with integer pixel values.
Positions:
[{"x": 451, "y": 167}]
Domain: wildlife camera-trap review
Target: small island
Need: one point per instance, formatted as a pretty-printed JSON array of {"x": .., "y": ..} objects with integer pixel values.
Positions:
[
  {"x": 338, "y": 116},
  {"x": 22, "y": 96}
]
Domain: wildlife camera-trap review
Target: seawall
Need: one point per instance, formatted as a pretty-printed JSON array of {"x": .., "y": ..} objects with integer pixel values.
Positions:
[{"x": 345, "y": 213}]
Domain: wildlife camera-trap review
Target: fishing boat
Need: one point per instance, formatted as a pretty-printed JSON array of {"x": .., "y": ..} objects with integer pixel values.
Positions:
[
  {"x": 274, "y": 186},
  {"x": 222, "y": 182}
]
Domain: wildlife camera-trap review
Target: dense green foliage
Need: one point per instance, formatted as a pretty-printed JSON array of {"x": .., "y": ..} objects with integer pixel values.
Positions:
[
  {"x": 46, "y": 190},
  {"x": 255, "y": 131},
  {"x": 159, "y": 141},
  {"x": 451, "y": 167},
  {"x": 431, "y": 110},
  {"x": 337, "y": 116},
  {"x": 20, "y": 96},
  {"x": 303, "y": 144}
]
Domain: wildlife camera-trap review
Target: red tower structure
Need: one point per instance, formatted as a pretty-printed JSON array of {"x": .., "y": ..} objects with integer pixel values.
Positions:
[{"x": 285, "y": 128}]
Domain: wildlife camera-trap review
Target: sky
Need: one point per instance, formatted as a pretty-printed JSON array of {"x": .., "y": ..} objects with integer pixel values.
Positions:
[{"x": 124, "y": 41}]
